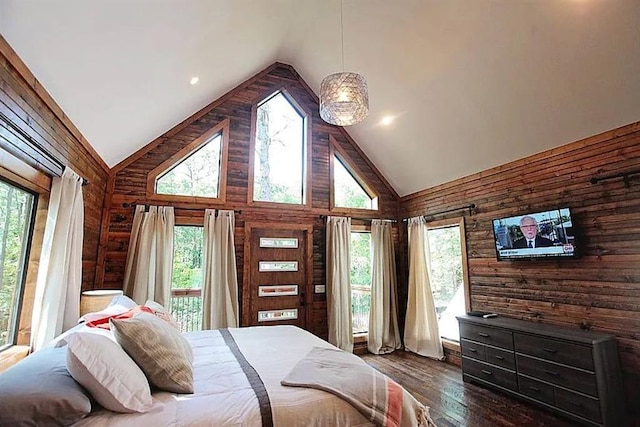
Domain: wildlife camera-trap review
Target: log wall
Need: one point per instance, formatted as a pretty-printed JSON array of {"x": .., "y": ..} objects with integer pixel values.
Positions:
[
  {"x": 128, "y": 180},
  {"x": 35, "y": 115},
  {"x": 598, "y": 291}
]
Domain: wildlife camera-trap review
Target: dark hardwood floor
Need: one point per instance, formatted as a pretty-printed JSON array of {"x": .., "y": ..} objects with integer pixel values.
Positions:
[{"x": 455, "y": 403}]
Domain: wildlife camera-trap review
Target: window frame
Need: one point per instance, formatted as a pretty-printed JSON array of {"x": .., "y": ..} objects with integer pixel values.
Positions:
[
  {"x": 336, "y": 151},
  {"x": 221, "y": 128},
  {"x": 452, "y": 222},
  {"x": 19, "y": 173},
  {"x": 307, "y": 153}
]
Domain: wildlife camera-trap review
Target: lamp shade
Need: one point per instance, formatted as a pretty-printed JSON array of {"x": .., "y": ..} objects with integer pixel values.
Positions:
[
  {"x": 344, "y": 99},
  {"x": 97, "y": 300}
]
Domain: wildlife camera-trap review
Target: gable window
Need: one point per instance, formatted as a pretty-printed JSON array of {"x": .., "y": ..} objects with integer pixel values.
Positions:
[
  {"x": 349, "y": 190},
  {"x": 186, "y": 283},
  {"x": 17, "y": 213},
  {"x": 448, "y": 274},
  {"x": 196, "y": 175},
  {"x": 280, "y": 150},
  {"x": 360, "y": 280}
]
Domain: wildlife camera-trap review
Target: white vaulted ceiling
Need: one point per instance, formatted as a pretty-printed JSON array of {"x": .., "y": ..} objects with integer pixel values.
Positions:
[{"x": 471, "y": 83}]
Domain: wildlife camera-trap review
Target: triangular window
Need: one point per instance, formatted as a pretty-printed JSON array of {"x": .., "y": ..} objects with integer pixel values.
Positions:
[
  {"x": 348, "y": 192},
  {"x": 197, "y": 171},
  {"x": 196, "y": 175}
]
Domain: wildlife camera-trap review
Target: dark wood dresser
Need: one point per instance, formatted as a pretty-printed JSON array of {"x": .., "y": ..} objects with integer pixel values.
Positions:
[{"x": 572, "y": 372}]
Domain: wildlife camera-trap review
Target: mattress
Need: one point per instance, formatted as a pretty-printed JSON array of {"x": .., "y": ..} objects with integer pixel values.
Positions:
[{"x": 223, "y": 394}]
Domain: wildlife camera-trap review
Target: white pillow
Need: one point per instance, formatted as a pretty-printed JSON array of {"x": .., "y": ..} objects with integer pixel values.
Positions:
[
  {"x": 102, "y": 367},
  {"x": 61, "y": 340}
]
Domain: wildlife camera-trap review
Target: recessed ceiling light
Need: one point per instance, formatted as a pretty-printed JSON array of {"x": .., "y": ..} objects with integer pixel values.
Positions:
[
  {"x": 194, "y": 80},
  {"x": 386, "y": 120}
]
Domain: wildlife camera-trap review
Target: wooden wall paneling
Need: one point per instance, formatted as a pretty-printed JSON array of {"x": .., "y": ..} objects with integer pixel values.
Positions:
[
  {"x": 601, "y": 289},
  {"x": 130, "y": 181}
]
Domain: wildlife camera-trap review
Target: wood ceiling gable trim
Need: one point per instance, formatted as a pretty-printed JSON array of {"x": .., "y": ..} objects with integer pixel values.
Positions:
[
  {"x": 197, "y": 115},
  {"x": 14, "y": 60},
  {"x": 579, "y": 145}
]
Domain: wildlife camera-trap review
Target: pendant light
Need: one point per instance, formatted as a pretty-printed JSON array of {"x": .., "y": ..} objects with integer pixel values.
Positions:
[{"x": 344, "y": 97}]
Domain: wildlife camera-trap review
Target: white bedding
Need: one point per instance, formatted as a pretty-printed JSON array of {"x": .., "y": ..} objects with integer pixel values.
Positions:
[{"x": 223, "y": 396}]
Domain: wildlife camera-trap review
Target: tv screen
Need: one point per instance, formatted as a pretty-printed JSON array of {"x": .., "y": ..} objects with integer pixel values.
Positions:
[{"x": 547, "y": 234}]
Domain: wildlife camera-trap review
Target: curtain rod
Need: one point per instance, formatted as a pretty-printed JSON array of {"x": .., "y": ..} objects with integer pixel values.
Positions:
[
  {"x": 324, "y": 217},
  {"x": 133, "y": 205},
  {"x": 471, "y": 207},
  {"x": 624, "y": 175}
]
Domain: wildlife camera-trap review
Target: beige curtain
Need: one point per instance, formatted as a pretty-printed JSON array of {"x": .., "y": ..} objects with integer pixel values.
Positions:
[
  {"x": 220, "y": 286},
  {"x": 339, "y": 282},
  {"x": 150, "y": 258},
  {"x": 421, "y": 334},
  {"x": 57, "y": 300},
  {"x": 384, "y": 335}
]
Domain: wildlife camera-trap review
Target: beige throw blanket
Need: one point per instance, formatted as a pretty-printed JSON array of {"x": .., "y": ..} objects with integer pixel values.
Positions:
[{"x": 380, "y": 399}]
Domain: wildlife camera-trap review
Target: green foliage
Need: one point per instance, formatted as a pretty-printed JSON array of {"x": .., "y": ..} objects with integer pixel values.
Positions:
[
  {"x": 446, "y": 264},
  {"x": 361, "y": 259},
  {"x": 15, "y": 218},
  {"x": 348, "y": 192},
  {"x": 188, "y": 245},
  {"x": 197, "y": 175}
]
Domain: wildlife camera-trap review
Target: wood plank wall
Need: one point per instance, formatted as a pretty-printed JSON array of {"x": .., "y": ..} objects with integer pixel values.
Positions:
[
  {"x": 128, "y": 181},
  {"x": 34, "y": 112},
  {"x": 600, "y": 290}
]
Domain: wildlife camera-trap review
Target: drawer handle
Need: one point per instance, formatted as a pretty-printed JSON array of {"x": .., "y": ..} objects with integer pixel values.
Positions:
[
  {"x": 473, "y": 350},
  {"x": 549, "y": 350},
  {"x": 484, "y": 371},
  {"x": 482, "y": 334},
  {"x": 499, "y": 357},
  {"x": 554, "y": 373},
  {"x": 534, "y": 388}
]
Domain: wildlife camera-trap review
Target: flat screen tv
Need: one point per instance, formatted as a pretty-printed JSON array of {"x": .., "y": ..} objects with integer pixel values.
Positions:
[{"x": 539, "y": 235}]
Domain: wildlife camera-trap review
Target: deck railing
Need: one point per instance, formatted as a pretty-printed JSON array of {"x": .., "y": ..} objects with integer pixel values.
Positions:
[
  {"x": 186, "y": 308},
  {"x": 360, "y": 307}
]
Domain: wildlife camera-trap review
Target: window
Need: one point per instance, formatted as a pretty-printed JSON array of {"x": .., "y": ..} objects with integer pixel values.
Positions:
[
  {"x": 448, "y": 274},
  {"x": 348, "y": 192},
  {"x": 348, "y": 188},
  {"x": 280, "y": 152},
  {"x": 360, "y": 280},
  {"x": 186, "y": 283},
  {"x": 17, "y": 212},
  {"x": 196, "y": 175}
]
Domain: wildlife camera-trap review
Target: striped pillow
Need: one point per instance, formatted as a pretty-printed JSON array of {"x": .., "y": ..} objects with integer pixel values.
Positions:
[{"x": 159, "y": 350}]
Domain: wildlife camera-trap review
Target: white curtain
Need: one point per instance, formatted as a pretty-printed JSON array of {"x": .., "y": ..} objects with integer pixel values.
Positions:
[
  {"x": 150, "y": 258},
  {"x": 57, "y": 300},
  {"x": 339, "y": 283},
  {"x": 384, "y": 335},
  {"x": 421, "y": 334},
  {"x": 220, "y": 286}
]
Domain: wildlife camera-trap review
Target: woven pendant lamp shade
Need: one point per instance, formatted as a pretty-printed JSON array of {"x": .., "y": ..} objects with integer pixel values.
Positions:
[{"x": 344, "y": 99}]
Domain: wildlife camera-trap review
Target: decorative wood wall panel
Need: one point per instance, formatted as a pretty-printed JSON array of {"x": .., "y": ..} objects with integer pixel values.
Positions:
[
  {"x": 128, "y": 180},
  {"x": 598, "y": 291},
  {"x": 32, "y": 110}
]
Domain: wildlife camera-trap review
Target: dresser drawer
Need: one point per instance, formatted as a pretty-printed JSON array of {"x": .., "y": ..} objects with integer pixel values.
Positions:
[
  {"x": 562, "y": 352},
  {"x": 490, "y": 373},
  {"x": 584, "y": 382},
  {"x": 487, "y": 335},
  {"x": 504, "y": 358},
  {"x": 473, "y": 349},
  {"x": 536, "y": 389},
  {"x": 578, "y": 404}
]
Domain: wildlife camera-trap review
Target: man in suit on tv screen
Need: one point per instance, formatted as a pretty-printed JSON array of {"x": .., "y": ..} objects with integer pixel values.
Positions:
[{"x": 530, "y": 239}]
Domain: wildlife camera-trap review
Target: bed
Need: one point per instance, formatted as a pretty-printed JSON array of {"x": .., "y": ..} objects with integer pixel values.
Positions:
[{"x": 223, "y": 395}]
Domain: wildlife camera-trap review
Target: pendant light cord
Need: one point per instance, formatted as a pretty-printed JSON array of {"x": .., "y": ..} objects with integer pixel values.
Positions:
[{"x": 342, "y": 33}]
